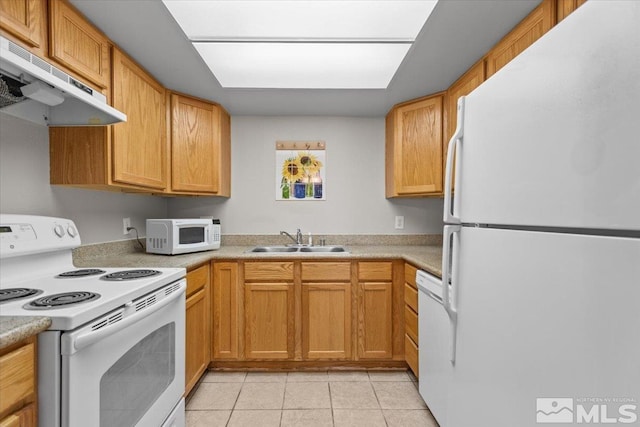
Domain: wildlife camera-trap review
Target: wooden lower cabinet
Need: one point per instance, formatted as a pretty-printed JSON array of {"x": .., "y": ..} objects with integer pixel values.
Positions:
[
  {"x": 25, "y": 417},
  {"x": 269, "y": 320},
  {"x": 375, "y": 320},
  {"x": 269, "y": 310},
  {"x": 375, "y": 310},
  {"x": 306, "y": 313},
  {"x": 18, "y": 397},
  {"x": 198, "y": 320},
  {"x": 225, "y": 310},
  {"x": 326, "y": 320},
  {"x": 411, "y": 354},
  {"x": 411, "y": 348}
]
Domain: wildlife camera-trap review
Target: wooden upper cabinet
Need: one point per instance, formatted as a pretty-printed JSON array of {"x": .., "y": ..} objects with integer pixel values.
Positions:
[
  {"x": 139, "y": 145},
  {"x": 414, "y": 148},
  {"x": 523, "y": 35},
  {"x": 200, "y": 147},
  {"x": 463, "y": 86},
  {"x": 566, "y": 7},
  {"x": 78, "y": 45},
  {"x": 26, "y": 21}
]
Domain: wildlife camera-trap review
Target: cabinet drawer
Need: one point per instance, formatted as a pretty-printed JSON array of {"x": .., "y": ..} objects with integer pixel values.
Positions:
[
  {"x": 411, "y": 297},
  {"x": 411, "y": 354},
  {"x": 268, "y": 271},
  {"x": 316, "y": 271},
  {"x": 411, "y": 323},
  {"x": 17, "y": 381},
  {"x": 410, "y": 275},
  {"x": 372, "y": 271},
  {"x": 24, "y": 417},
  {"x": 197, "y": 279}
]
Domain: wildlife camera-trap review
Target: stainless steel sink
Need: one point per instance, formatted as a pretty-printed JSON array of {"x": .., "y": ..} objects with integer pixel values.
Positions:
[
  {"x": 298, "y": 249},
  {"x": 274, "y": 249},
  {"x": 323, "y": 249}
]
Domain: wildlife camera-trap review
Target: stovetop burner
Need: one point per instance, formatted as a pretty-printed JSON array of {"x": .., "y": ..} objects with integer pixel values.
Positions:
[
  {"x": 81, "y": 273},
  {"x": 61, "y": 300},
  {"x": 130, "y": 275},
  {"x": 17, "y": 293}
]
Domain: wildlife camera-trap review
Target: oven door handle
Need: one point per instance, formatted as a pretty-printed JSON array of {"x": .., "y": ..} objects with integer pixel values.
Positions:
[{"x": 90, "y": 337}]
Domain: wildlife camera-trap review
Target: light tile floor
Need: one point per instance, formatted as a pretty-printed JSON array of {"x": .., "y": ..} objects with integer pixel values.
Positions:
[{"x": 308, "y": 399}]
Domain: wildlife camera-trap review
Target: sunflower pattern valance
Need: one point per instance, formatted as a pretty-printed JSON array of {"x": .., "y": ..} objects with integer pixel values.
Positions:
[{"x": 300, "y": 170}]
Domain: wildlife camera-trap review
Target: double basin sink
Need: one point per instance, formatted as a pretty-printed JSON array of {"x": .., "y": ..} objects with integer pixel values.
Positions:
[{"x": 298, "y": 249}]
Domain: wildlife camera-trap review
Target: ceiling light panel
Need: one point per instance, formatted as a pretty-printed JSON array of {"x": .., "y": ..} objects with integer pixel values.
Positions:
[
  {"x": 295, "y": 44},
  {"x": 300, "y": 19},
  {"x": 303, "y": 65}
]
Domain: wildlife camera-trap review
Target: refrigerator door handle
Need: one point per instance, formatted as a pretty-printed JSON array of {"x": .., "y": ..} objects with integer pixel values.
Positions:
[
  {"x": 449, "y": 284},
  {"x": 454, "y": 142}
]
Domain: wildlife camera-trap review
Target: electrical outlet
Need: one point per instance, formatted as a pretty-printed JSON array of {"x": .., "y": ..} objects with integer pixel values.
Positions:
[
  {"x": 399, "y": 222},
  {"x": 126, "y": 223}
]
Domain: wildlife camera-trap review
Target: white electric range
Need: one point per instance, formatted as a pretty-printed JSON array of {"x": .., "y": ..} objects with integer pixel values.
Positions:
[{"x": 114, "y": 353}]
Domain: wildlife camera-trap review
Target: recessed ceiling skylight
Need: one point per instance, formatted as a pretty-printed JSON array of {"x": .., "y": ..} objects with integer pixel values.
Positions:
[{"x": 340, "y": 44}]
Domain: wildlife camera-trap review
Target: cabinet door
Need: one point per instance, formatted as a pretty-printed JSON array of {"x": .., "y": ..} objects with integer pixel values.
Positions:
[
  {"x": 195, "y": 148},
  {"x": 78, "y": 45},
  {"x": 198, "y": 319},
  {"x": 375, "y": 323},
  {"x": 566, "y": 8},
  {"x": 17, "y": 379},
  {"x": 414, "y": 148},
  {"x": 530, "y": 29},
  {"x": 326, "y": 320},
  {"x": 196, "y": 347},
  {"x": 269, "y": 320},
  {"x": 140, "y": 144},
  {"x": 463, "y": 86},
  {"x": 25, "y": 20},
  {"x": 225, "y": 311},
  {"x": 25, "y": 417}
]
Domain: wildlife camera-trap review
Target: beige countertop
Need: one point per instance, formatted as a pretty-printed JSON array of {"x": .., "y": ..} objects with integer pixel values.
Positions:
[
  {"x": 14, "y": 328},
  {"x": 425, "y": 257}
]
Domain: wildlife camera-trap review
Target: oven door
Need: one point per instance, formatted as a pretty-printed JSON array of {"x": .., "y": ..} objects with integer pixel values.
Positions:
[{"x": 127, "y": 368}]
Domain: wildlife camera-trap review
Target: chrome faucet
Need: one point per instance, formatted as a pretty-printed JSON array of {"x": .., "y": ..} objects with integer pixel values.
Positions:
[{"x": 297, "y": 239}]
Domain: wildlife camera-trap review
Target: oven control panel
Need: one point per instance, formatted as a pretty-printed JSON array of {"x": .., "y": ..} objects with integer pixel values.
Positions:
[{"x": 27, "y": 234}]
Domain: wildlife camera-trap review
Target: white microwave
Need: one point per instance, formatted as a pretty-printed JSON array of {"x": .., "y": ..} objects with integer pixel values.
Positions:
[{"x": 181, "y": 236}]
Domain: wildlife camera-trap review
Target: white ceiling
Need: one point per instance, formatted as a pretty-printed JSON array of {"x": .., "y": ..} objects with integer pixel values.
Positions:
[{"x": 456, "y": 35}]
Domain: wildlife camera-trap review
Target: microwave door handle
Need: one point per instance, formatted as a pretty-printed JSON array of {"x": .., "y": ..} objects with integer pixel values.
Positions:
[{"x": 90, "y": 337}]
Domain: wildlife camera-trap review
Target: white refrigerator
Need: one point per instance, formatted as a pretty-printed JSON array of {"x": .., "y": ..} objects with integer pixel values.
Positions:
[{"x": 542, "y": 237}]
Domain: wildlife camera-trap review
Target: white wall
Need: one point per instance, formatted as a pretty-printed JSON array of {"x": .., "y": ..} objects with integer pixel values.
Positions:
[
  {"x": 354, "y": 184},
  {"x": 25, "y": 189}
]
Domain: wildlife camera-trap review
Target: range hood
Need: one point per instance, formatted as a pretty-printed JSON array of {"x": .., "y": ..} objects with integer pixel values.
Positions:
[{"x": 33, "y": 89}]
